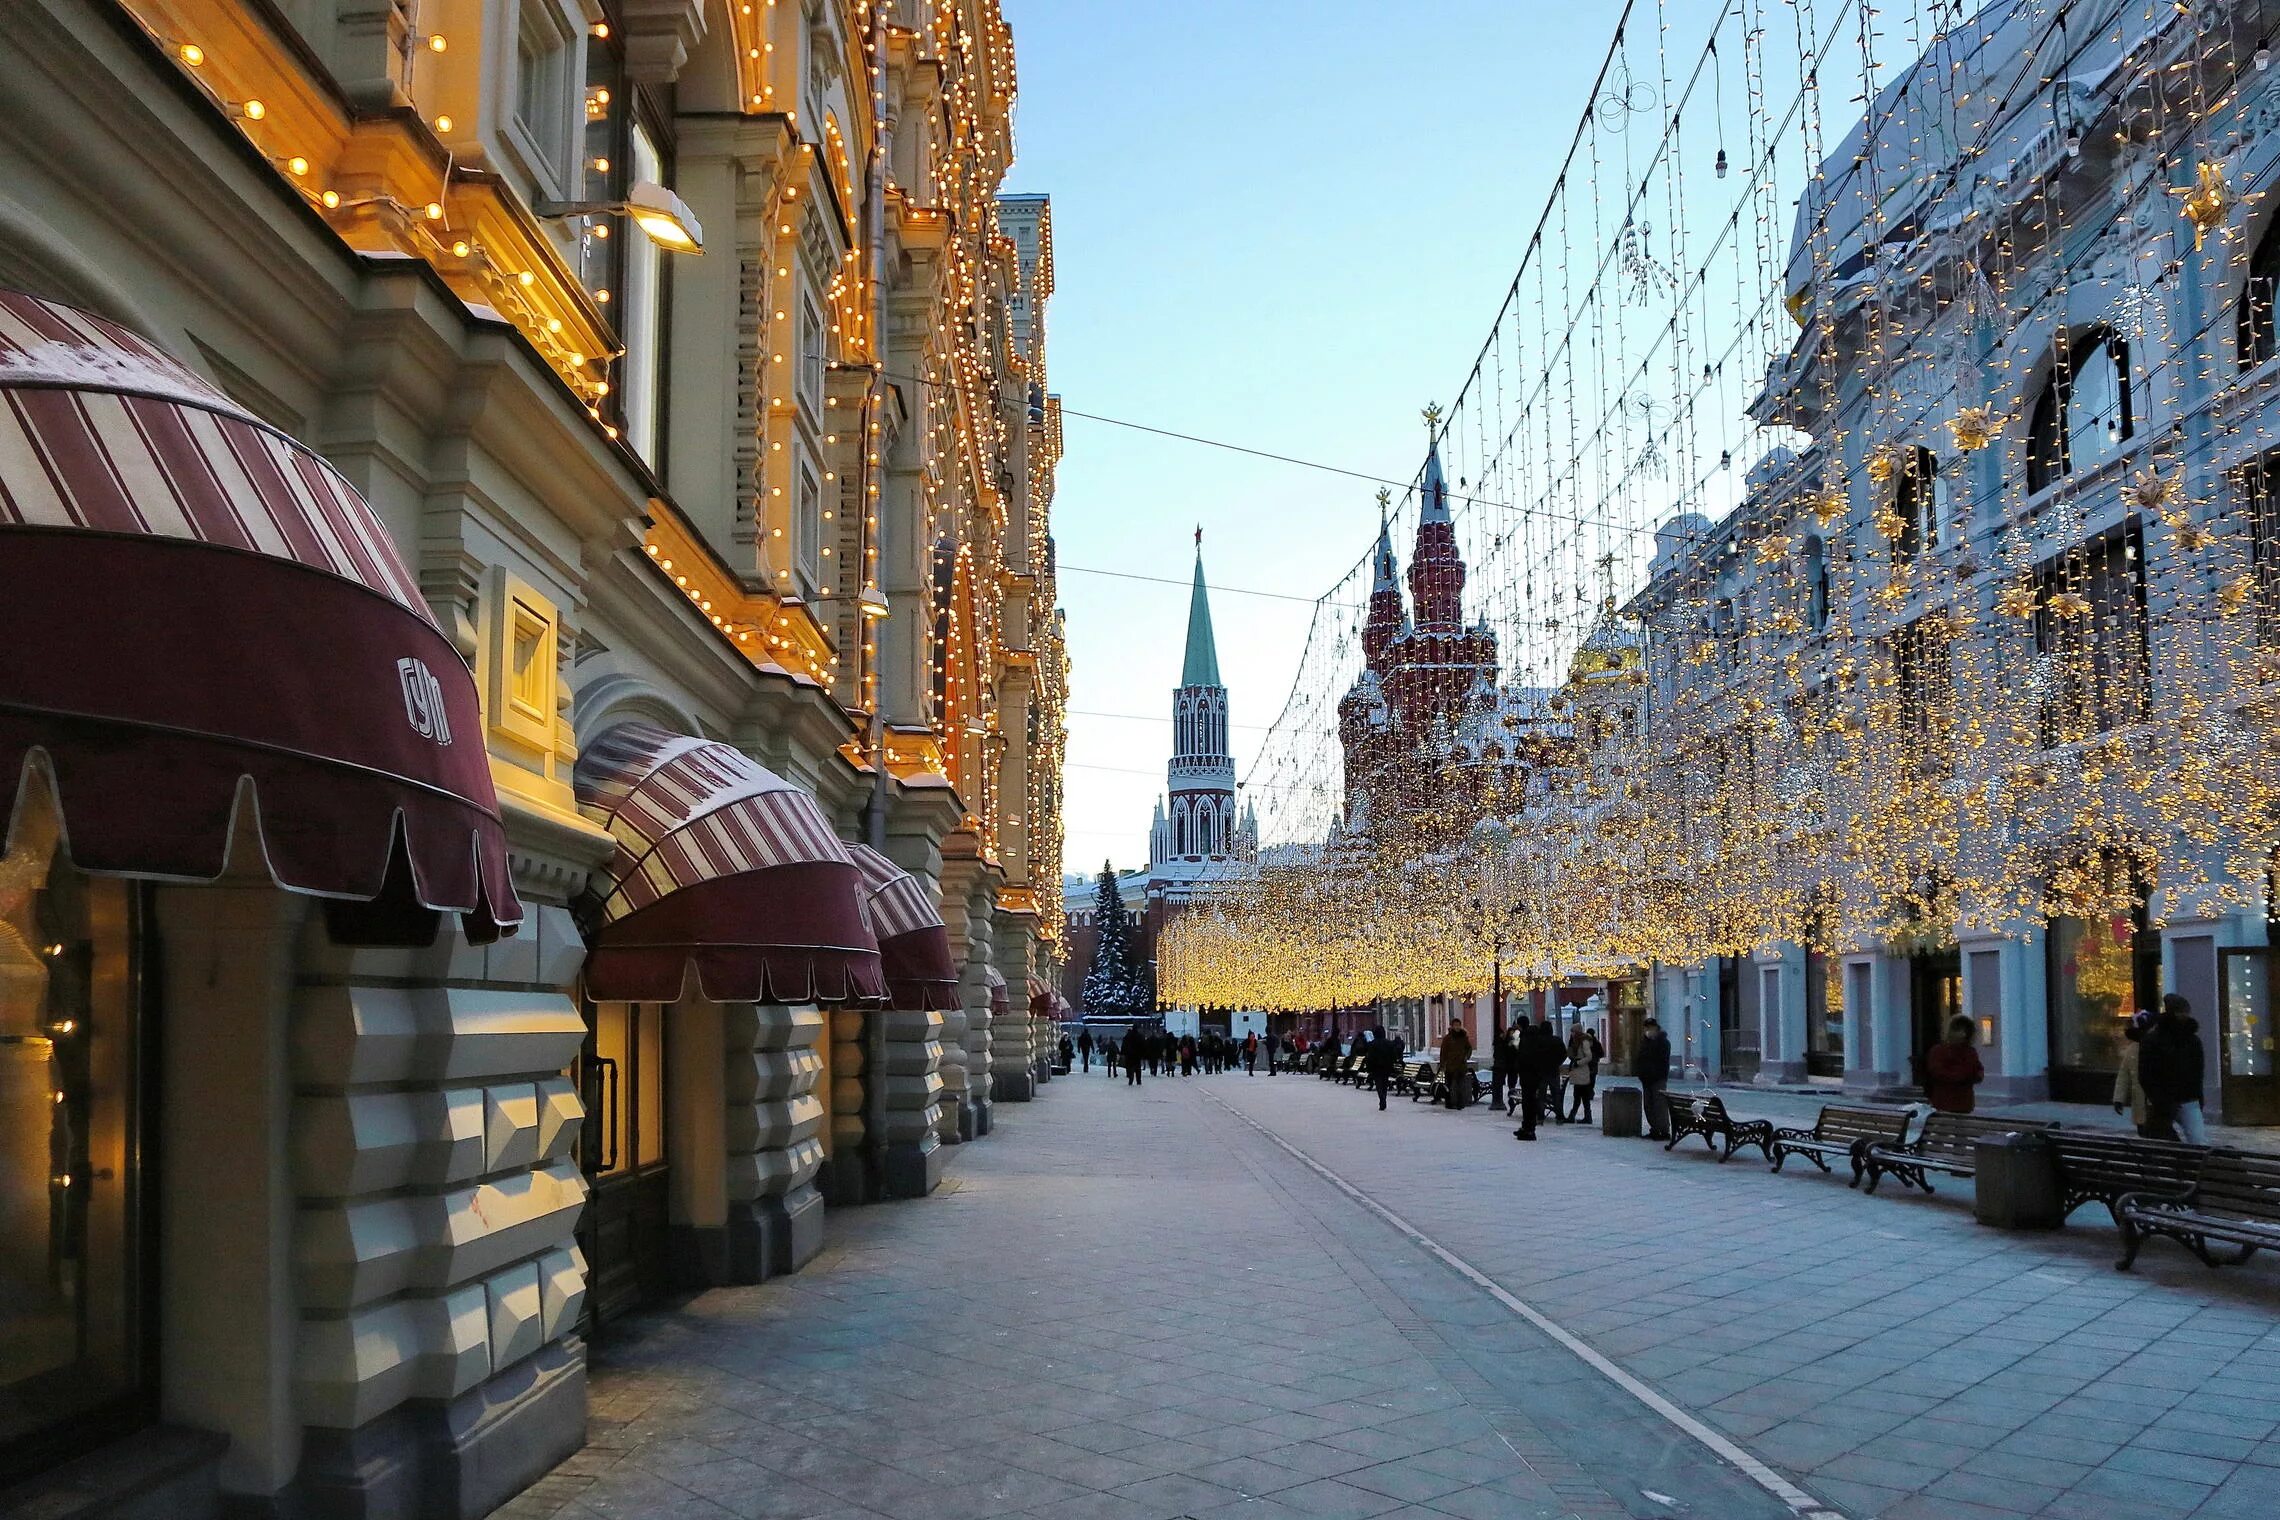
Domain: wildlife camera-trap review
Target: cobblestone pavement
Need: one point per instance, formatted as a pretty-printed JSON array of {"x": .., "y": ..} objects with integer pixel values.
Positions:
[{"x": 1186, "y": 1302}]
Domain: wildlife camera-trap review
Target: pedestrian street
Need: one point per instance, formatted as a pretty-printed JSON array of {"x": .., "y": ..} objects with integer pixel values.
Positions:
[{"x": 1247, "y": 1296}]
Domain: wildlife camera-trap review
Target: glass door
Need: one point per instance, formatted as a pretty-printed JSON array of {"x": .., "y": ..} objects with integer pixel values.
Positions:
[{"x": 626, "y": 1229}]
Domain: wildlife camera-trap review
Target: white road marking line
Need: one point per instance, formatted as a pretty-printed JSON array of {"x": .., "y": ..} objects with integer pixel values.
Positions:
[{"x": 1798, "y": 1501}]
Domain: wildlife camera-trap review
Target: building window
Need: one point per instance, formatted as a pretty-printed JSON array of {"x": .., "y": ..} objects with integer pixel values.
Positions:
[
  {"x": 73, "y": 1279},
  {"x": 543, "y": 113},
  {"x": 641, "y": 315},
  {"x": 807, "y": 527},
  {"x": 1924, "y": 679},
  {"x": 2084, "y": 412},
  {"x": 2260, "y": 487},
  {"x": 2256, "y": 302},
  {"x": 1919, "y": 501},
  {"x": 2093, "y": 666},
  {"x": 1816, "y": 579},
  {"x": 811, "y": 351}
]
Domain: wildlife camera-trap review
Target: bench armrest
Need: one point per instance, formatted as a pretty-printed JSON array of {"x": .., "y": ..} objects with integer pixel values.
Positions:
[{"x": 2156, "y": 1198}]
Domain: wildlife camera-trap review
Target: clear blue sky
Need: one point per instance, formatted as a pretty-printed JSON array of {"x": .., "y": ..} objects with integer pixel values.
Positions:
[{"x": 1283, "y": 224}]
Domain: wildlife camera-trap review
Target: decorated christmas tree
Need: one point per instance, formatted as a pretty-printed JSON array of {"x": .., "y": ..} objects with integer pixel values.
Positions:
[{"x": 1116, "y": 983}]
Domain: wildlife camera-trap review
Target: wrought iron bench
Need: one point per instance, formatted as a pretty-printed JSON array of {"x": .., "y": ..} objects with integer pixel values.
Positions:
[
  {"x": 2108, "y": 1166},
  {"x": 1842, "y": 1130},
  {"x": 2235, "y": 1201},
  {"x": 1705, "y": 1114},
  {"x": 1420, "y": 1081},
  {"x": 1947, "y": 1143}
]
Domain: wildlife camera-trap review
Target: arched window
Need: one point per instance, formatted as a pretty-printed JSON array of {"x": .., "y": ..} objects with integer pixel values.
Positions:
[
  {"x": 1919, "y": 500},
  {"x": 2084, "y": 412},
  {"x": 2257, "y": 298},
  {"x": 1180, "y": 829}
]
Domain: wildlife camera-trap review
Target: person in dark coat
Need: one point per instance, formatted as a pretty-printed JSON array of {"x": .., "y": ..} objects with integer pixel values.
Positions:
[
  {"x": 1535, "y": 1063},
  {"x": 1952, "y": 1069},
  {"x": 1136, "y": 1052},
  {"x": 1456, "y": 1064},
  {"x": 1382, "y": 1058},
  {"x": 2170, "y": 1069},
  {"x": 1068, "y": 1053},
  {"x": 1652, "y": 1067},
  {"x": 1084, "y": 1047}
]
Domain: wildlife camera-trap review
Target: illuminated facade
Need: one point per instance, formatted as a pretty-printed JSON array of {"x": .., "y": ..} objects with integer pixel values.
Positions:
[{"x": 692, "y": 366}]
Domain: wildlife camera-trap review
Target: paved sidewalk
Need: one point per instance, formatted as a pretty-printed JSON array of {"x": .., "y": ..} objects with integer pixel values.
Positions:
[
  {"x": 1890, "y": 1353},
  {"x": 1140, "y": 1306}
]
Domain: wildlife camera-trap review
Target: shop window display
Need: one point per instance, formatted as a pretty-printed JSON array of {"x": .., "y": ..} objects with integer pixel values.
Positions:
[{"x": 73, "y": 1369}]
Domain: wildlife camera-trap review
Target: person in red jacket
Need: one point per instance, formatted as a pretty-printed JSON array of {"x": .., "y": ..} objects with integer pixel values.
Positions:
[{"x": 1952, "y": 1069}]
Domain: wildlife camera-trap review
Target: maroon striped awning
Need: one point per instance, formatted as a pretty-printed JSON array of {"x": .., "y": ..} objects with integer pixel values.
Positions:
[
  {"x": 723, "y": 865},
  {"x": 914, "y": 947},
  {"x": 194, "y": 606},
  {"x": 994, "y": 979}
]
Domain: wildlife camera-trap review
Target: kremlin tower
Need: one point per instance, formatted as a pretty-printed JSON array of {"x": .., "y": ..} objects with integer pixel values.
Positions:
[
  {"x": 1426, "y": 675},
  {"x": 1200, "y": 827}
]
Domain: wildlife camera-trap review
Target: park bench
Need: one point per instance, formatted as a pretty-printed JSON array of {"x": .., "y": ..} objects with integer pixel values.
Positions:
[
  {"x": 1841, "y": 1130},
  {"x": 2107, "y": 1166},
  {"x": 2235, "y": 1201},
  {"x": 1705, "y": 1114},
  {"x": 1420, "y": 1081},
  {"x": 1947, "y": 1143}
]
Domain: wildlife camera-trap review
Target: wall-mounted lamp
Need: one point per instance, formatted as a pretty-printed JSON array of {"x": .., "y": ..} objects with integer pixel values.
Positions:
[{"x": 663, "y": 216}]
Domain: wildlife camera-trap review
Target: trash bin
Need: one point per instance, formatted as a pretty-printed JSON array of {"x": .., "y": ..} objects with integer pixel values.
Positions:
[
  {"x": 1620, "y": 1109},
  {"x": 2015, "y": 1184}
]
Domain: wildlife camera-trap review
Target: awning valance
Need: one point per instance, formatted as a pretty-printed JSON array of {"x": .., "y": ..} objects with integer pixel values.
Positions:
[
  {"x": 1041, "y": 998},
  {"x": 994, "y": 979},
  {"x": 720, "y": 864},
  {"x": 914, "y": 947},
  {"x": 192, "y": 603}
]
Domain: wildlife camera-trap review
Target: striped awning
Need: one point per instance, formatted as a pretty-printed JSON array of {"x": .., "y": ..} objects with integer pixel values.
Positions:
[
  {"x": 721, "y": 865},
  {"x": 194, "y": 606},
  {"x": 994, "y": 979},
  {"x": 914, "y": 947}
]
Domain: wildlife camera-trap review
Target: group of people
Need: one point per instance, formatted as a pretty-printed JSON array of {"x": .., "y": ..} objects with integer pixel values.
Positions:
[
  {"x": 1158, "y": 1052},
  {"x": 2159, "y": 1083}
]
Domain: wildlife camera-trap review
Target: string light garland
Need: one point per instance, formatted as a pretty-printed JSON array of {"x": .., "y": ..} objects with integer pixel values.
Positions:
[{"x": 1874, "y": 531}]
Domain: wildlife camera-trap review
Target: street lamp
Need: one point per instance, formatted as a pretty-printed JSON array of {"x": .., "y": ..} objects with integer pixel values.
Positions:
[{"x": 662, "y": 216}]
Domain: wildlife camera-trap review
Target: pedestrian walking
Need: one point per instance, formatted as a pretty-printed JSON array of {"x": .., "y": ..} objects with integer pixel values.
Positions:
[
  {"x": 1652, "y": 1067},
  {"x": 1583, "y": 1056},
  {"x": 1110, "y": 1054},
  {"x": 1068, "y": 1053},
  {"x": 1272, "y": 1041},
  {"x": 1136, "y": 1051},
  {"x": 2129, "y": 1092},
  {"x": 2169, "y": 1064},
  {"x": 1952, "y": 1069},
  {"x": 1251, "y": 1054},
  {"x": 1384, "y": 1059},
  {"x": 1084, "y": 1047},
  {"x": 1456, "y": 1064}
]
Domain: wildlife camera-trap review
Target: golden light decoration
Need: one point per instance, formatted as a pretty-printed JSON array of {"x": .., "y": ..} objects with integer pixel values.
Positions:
[
  {"x": 2205, "y": 201},
  {"x": 1974, "y": 427}
]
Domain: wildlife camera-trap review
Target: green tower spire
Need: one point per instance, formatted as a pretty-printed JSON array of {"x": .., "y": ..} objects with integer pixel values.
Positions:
[{"x": 1201, "y": 668}]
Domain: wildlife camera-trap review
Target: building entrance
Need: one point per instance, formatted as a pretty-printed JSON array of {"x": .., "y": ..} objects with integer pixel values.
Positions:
[
  {"x": 626, "y": 1230},
  {"x": 1935, "y": 995}
]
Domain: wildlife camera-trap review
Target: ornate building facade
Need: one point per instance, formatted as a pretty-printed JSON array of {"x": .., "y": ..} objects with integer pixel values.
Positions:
[{"x": 660, "y": 388}]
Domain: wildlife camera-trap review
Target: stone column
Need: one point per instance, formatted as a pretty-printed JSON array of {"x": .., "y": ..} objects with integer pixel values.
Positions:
[
  {"x": 770, "y": 1066},
  {"x": 438, "y": 1368},
  {"x": 911, "y": 1088},
  {"x": 1014, "y": 1047},
  {"x": 961, "y": 1113},
  {"x": 846, "y": 1175}
]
